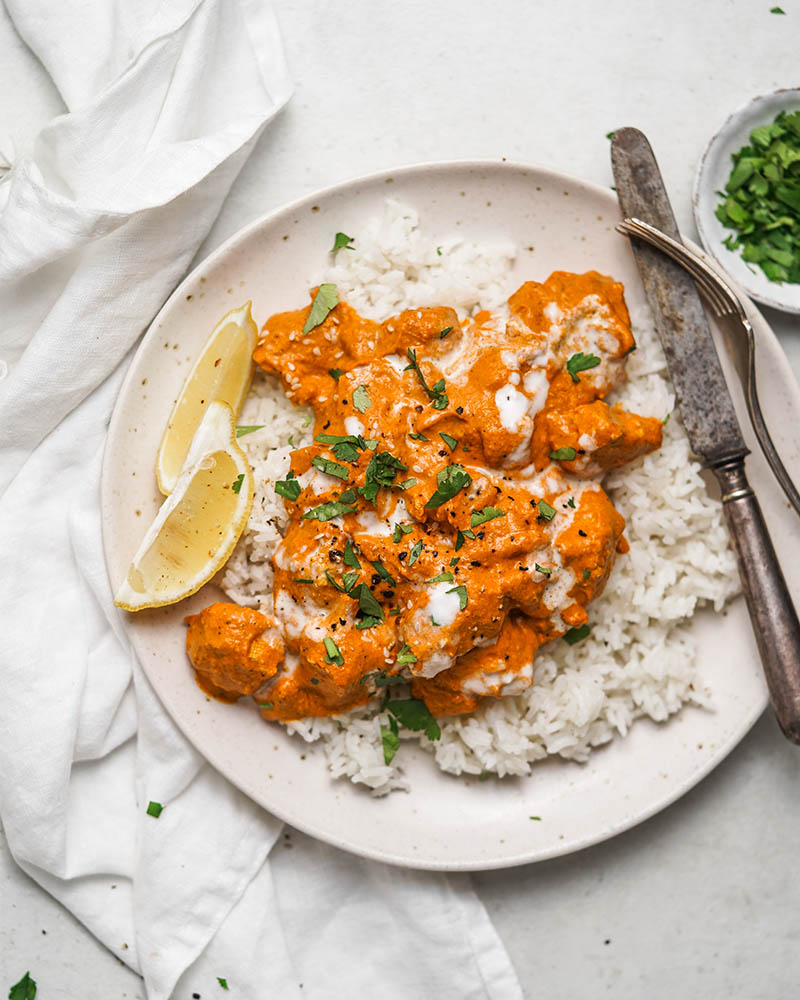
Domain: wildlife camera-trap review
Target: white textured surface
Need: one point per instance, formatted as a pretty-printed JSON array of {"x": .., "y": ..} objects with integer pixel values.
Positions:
[{"x": 700, "y": 900}]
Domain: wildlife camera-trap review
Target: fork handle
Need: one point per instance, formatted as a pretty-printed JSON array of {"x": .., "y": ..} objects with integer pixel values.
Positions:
[{"x": 772, "y": 613}]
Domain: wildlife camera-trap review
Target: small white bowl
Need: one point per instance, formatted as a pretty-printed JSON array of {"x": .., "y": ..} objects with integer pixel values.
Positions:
[{"x": 713, "y": 172}]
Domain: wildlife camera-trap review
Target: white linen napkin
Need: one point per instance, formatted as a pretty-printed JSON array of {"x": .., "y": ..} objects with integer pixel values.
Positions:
[{"x": 165, "y": 102}]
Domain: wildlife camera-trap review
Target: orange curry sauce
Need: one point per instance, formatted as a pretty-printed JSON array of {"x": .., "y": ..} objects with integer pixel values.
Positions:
[{"x": 448, "y": 518}]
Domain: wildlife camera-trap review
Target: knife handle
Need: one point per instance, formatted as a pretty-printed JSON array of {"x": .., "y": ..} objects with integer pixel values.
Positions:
[{"x": 772, "y": 613}]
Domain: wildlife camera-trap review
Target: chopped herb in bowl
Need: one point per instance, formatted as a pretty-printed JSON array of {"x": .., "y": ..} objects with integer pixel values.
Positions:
[{"x": 761, "y": 200}]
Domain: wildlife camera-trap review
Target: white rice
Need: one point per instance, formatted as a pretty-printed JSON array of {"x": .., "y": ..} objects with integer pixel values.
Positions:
[{"x": 638, "y": 660}]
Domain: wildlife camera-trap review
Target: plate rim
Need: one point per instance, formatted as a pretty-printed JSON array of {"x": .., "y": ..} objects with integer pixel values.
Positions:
[
  {"x": 701, "y": 194},
  {"x": 213, "y": 757}
]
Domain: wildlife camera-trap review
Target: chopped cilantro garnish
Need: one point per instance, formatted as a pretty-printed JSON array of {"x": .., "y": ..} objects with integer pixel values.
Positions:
[
  {"x": 326, "y": 299},
  {"x": 243, "y": 429},
  {"x": 451, "y": 442},
  {"x": 461, "y": 590},
  {"x": 574, "y": 635},
  {"x": 581, "y": 362},
  {"x": 332, "y": 653},
  {"x": 586, "y": 574},
  {"x": 332, "y": 581},
  {"x": 546, "y": 511},
  {"x": 329, "y": 510},
  {"x": 438, "y": 251},
  {"x": 349, "y": 496},
  {"x": 563, "y": 454},
  {"x": 390, "y": 741},
  {"x": 154, "y": 809},
  {"x": 405, "y": 656},
  {"x": 414, "y": 714},
  {"x": 383, "y": 572},
  {"x": 329, "y": 468},
  {"x": 461, "y": 535},
  {"x": 302, "y": 579},
  {"x": 416, "y": 436},
  {"x": 289, "y": 487},
  {"x": 415, "y": 552},
  {"x": 542, "y": 569},
  {"x": 266, "y": 705},
  {"x": 25, "y": 989},
  {"x": 222, "y": 982},
  {"x": 400, "y": 530},
  {"x": 381, "y": 471},
  {"x": 445, "y": 577},
  {"x": 341, "y": 242},
  {"x": 367, "y": 604},
  {"x": 571, "y": 502},
  {"x": 336, "y": 373},
  {"x": 237, "y": 484},
  {"x": 455, "y": 560},
  {"x": 482, "y": 516},
  {"x": 436, "y": 393},
  {"x": 350, "y": 558},
  {"x": 537, "y": 818},
  {"x": 450, "y": 480},
  {"x": 349, "y": 580},
  {"x": 443, "y": 334},
  {"x": 361, "y": 399},
  {"x": 406, "y": 484}
]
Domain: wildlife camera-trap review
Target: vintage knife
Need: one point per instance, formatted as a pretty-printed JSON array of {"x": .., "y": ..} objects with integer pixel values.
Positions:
[{"x": 706, "y": 409}]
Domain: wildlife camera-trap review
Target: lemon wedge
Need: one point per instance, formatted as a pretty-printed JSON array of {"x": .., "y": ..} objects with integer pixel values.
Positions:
[
  {"x": 223, "y": 372},
  {"x": 198, "y": 524}
]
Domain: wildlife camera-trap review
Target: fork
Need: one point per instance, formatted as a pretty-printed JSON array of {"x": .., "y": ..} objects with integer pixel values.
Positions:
[{"x": 723, "y": 301}]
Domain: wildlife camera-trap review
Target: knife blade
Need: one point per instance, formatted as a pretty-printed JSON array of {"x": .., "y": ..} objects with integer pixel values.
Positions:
[
  {"x": 702, "y": 394},
  {"x": 707, "y": 412}
]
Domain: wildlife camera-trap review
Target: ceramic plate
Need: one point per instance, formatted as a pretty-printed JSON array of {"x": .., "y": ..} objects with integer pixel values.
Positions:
[
  {"x": 712, "y": 175},
  {"x": 443, "y": 822}
]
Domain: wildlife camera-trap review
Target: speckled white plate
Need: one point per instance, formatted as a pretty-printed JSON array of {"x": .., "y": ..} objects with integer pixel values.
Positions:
[
  {"x": 712, "y": 175},
  {"x": 443, "y": 822}
]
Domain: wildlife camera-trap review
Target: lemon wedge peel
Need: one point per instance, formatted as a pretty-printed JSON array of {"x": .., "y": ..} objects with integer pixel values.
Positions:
[
  {"x": 199, "y": 523},
  {"x": 223, "y": 372}
]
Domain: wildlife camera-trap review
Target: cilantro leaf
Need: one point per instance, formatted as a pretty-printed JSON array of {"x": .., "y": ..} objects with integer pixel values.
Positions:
[
  {"x": 416, "y": 436},
  {"x": 405, "y": 656},
  {"x": 546, "y": 511},
  {"x": 350, "y": 558},
  {"x": 390, "y": 741},
  {"x": 581, "y": 362},
  {"x": 415, "y": 551},
  {"x": 451, "y": 442},
  {"x": 243, "y": 429},
  {"x": 446, "y": 577},
  {"x": 154, "y": 809},
  {"x": 342, "y": 242},
  {"x": 443, "y": 334},
  {"x": 406, "y": 484},
  {"x": 574, "y": 635},
  {"x": 288, "y": 487},
  {"x": 326, "y": 299},
  {"x": 25, "y": 989},
  {"x": 571, "y": 502},
  {"x": 327, "y": 511},
  {"x": 367, "y": 604},
  {"x": 436, "y": 393},
  {"x": 332, "y": 652},
  {"x": 266, "y": 705},
  {"x": 461, "y": 590},
  {"x": 329, "y": 468},
  {"x": 237, "y": 484},
  {"x": 222, "y": 982},
  {"x": 461, "y": 535},
  {"x": 414, "y": 714},
  {"x": 383, "y": 572},
  {"x": 482, "y": 516},
  {"x": 542, "y": 569},
  {"x": 563, "y": 454},
  {"x": 361, "y": 399},
  {"x": 450, "y": 481},
  {"x": 400, "y": 530},
  {"x": 336, "y": 373},
  {"x": 381, "y": 471}
]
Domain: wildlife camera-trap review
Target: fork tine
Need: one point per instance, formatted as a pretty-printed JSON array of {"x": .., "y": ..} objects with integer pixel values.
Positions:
[{"x": 719, "y": 294}]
